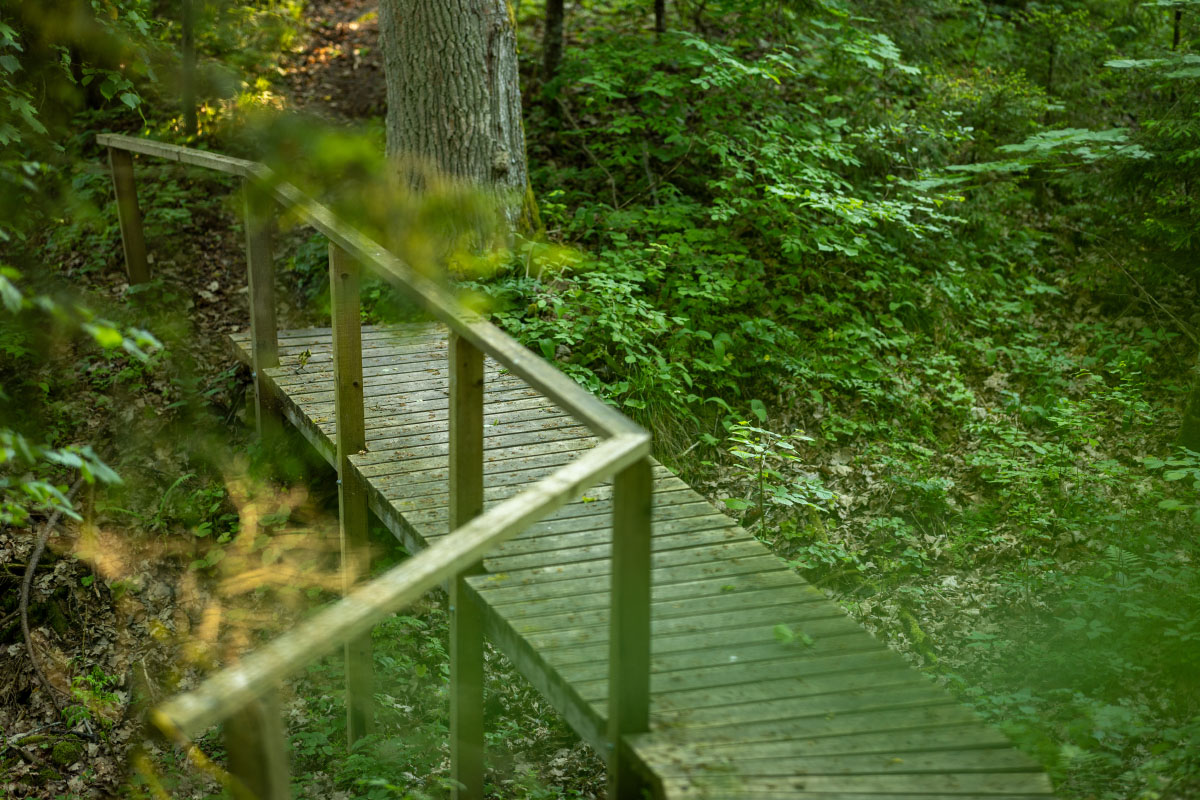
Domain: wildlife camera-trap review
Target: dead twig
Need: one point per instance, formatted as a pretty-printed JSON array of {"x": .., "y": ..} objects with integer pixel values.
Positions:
[{"x": 38, "y": 548}]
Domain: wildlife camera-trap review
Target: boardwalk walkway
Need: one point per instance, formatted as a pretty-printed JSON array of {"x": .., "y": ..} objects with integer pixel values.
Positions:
[
  {"x": 642, "y": 613},
  {"x": 734, "y": 712}
]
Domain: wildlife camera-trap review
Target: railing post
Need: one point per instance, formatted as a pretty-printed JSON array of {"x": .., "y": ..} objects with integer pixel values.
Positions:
[
  {"x": 129, "y": 216},
  {"x": 466, "y": 622},
  {"x": 352, "y": 496},
  {"x": 260, "y": 277},
  {"x": 257, "y": 749},
  {"x": 629, "y": 635}
]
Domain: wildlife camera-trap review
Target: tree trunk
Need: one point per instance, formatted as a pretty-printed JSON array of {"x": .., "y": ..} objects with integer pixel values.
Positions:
[
  {"x": 1189, "y": 431},
  {"x": 553, "y": 45},
  {"x": 660, "y": 17},
  {"x": 454, "y": 101}
]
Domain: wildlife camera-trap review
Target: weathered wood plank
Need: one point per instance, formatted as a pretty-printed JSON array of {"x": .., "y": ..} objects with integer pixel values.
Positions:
[
  {"x": 557, "y": 548},
  {"x": 257, "y": 749},
  {"x": 962, "y": 783},
  {"x": 629, "y": 632},
  {"x": 666, "y": 750},
  {"x": 967, "y": 760},
  {"x": 698, "y": 597},
  {"x": 465, "y": 484},
  {"x": 435, "y": 499},
  {"x": 697, "y": 677},
  {"x": 352, "y": 496},
  {"x": 735, "y": 627},
  {"x": 260, "y": 274},
  {"x": 133, "y": 240},
  {"x": 703, "y": 567},
  {"x": 380, "y": 464}
]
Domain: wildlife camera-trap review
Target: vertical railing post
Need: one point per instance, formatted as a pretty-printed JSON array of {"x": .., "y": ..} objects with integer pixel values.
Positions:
[
  {"x": 629, "y": 635},
  {"x": 257, "y": 749},
  {"x": 260, "y": 278},
  {"x": 129, "y": 216},
  {"x": 466, "y": 622},
  {"x": 352, "y": 496}
]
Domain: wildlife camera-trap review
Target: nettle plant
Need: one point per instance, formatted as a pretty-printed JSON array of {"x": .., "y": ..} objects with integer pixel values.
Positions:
[{"x": 767, "y": 459}]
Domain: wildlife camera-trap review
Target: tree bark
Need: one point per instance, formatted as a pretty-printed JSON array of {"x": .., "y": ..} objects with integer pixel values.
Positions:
[
  {"x": 660, "y": 17},
  {"x": 552, "y": 47},
  {"x": 1189, "y": 431},
  {"x": 454, "y": 100}
]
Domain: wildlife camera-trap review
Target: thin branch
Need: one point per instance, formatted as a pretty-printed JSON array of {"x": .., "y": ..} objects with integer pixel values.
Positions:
[
  {"x": 38, "y": 548},
  {"x": 612, "y": 182}
]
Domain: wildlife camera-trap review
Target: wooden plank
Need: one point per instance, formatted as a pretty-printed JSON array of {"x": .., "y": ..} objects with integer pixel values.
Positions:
[
  {"x": 383, "y": 408},
  {"x": 596, "y": 542},
  {"x": 384, "y": 392},
  {"x": 434, "y": 483},
  {"x": 379, "y": 465},
  {"x": 776, "y": 733},
  {"x": 703, "y": 567},
  {"x": 860, "y": 671},
  {"x": 663, "y": 751},
  {"x": 853, "y": 795},
  {"x": 181, "y": 155},
  {"x": 714, "y": 557},
  {"x": 629, "y": 637},
  {"x": 697, "y": 597},
  {"x": 894, "y": 689},
  {"x": 260, "y": 277},
  {"x": 133, "y": 240},
  {"x": 679, "y": 637},
  {"x": 511, "y": 470},
  {"x": 603, "y": 550},
  {"x": 667, "y": 505},
  {"x": 425, "y": 503},
  {"x": 732, "y": 673},
  {"x": 963, "y": 760},
  {"x": 352, "y": 496},
  {"x": 382, "y": 431},
  {"x": 257, "y": 750},
  {"x": 397, "y": 330},
  {"x": 439, "y": 446},
  {"x": 465, "y": 484},
  {"x": 800, "y": 786},
  {"x": 717, "y": 665}
]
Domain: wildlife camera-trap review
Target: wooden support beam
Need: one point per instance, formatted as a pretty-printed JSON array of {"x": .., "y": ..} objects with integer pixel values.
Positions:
[
  {"x": 352, "y": 494},
  {"x": 129, "y": 216},
  {"x": 257, "y": 748},
  {"x": 466, "y": 619},
  {"x": 260, "y": 269},
  {"x": 629, "y": 637}
]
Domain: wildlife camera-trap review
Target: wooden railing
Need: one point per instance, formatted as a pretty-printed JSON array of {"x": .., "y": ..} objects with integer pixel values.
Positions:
[{"x": 243, "y": 696}]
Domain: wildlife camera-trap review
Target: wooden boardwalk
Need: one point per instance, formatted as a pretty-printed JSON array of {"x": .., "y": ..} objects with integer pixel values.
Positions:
[{"x": 734, "y": 712}]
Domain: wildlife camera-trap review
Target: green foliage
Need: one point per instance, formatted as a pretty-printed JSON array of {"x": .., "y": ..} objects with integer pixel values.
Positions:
[{"x": 93, "y": 699}]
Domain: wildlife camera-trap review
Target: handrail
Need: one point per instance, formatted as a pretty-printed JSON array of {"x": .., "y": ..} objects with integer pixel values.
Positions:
[
  {"x": 601, "y": 418},
  {"x": 242, "y": 695},
  {"x": 188, "y": 714}
]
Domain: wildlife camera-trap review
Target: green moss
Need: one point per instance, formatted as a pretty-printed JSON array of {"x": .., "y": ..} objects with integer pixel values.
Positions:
[{"x": 66, "y": 752}]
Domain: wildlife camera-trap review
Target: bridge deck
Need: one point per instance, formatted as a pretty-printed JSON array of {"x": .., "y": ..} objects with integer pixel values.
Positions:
[{"x": 734, "y": 712}]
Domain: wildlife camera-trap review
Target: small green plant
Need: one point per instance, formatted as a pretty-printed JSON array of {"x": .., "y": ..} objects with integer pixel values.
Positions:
[
  {"x": 94, "y": 700},
  {"x": 763, "y": 456}
]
